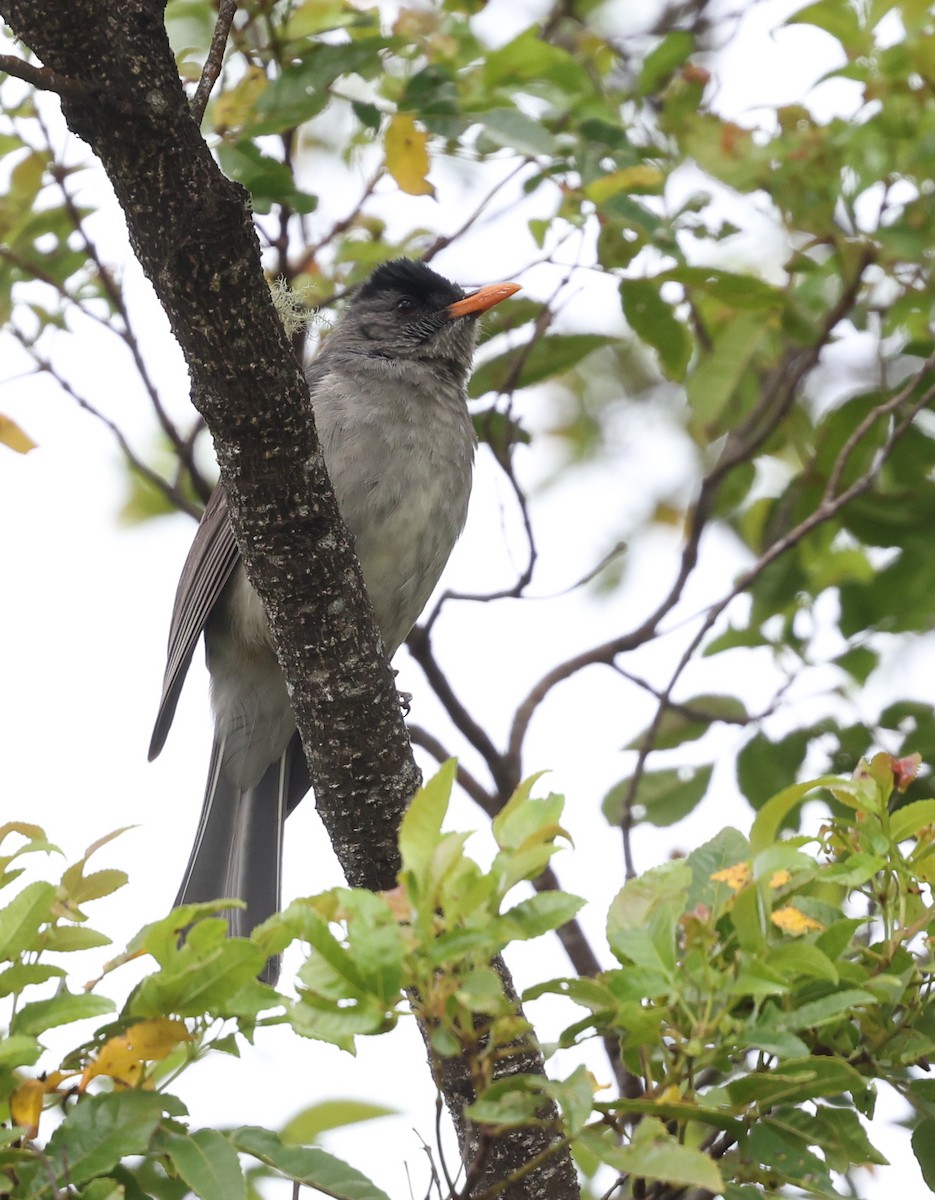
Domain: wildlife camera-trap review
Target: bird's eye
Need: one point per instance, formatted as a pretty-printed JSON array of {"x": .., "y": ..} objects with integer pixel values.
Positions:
[{"x": 405, "y": 306}]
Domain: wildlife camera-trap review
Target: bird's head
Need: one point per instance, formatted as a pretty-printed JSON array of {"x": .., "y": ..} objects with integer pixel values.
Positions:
[{"x": 405, "y": 310}]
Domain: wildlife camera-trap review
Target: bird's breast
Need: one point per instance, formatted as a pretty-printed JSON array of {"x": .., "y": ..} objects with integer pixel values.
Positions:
[{"x": 401, "y": 469}]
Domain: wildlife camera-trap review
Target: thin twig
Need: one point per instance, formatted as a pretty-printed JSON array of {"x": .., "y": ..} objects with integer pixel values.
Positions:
[
  {"x": 419, "y": 644},
  {"x": 444, "y": 241},
  {"x": 172, "y": 493},
  {"x": 420, "y": 736},
  {"x": 504, "y": 460},
  {"x": 183, "y": 447},
  {"x": 45, "y": 79},
  {"x": 831, "y": 504},
  {"x": 214, "y": 60},
  {"x": 346, "y": 221},
  {"x": 743, "y": 443}
]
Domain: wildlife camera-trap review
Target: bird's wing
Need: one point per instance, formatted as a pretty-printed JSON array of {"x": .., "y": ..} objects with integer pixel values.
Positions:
[{"x": 210, "y": 564}]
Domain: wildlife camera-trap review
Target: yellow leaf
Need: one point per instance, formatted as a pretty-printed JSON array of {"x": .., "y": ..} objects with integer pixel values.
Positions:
[
  {"x": 736, "y": 877},
  {"x": 26, "y": 1105},
  {"x": 54, "y": 1080},
  {"x": 116, "y": 1060},
  {"x": 630, "y": 179},
  {"x": 232, "y": 109},
  {"x": 407, "y": 156},
  {"x": 793, "y": 921},
  {"x": 150, "y": 1040},
  {"x": 11, "y": 435}
]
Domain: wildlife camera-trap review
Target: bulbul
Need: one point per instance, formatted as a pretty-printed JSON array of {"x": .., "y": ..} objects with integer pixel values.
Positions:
[{"x": 389, "y": 396}]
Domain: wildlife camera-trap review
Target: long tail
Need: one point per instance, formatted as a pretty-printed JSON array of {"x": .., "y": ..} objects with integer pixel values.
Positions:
[{"x": 238, "y": 847}]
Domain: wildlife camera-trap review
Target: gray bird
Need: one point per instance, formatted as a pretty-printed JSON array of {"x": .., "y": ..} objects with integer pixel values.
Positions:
[{"x": 388, "y": 392}]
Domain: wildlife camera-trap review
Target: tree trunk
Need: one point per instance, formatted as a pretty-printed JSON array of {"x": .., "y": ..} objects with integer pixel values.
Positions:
[{"x": 190, "y": 227}]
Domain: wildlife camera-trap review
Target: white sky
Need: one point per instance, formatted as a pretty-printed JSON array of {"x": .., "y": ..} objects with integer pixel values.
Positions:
[{"x": 85, "y": 613}]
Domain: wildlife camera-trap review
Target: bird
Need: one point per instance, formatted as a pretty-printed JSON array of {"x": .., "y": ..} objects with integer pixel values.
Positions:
[{"x": 389, "y": 396}]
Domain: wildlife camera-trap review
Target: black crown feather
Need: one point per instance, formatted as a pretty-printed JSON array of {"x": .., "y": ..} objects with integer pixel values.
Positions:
[{"x": 412, "y": 278}]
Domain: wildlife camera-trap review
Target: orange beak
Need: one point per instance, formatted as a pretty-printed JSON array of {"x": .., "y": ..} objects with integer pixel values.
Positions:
[{"x": 481, "y": 300}]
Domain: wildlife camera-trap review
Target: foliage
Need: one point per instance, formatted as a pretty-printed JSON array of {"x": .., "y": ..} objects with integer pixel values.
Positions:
[
  {"x": 760, "y": 1015},
  {"x": 826, "y": 494},
  {"x": 770, "y": 291}
]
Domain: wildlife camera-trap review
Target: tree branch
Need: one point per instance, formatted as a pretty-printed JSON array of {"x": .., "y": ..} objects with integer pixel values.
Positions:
[
  {"x": 778, "y": 397},
  {"x": 190, "y": 227},
  {"x": 831, "y": 504},
  {"x": 214, "y": 60},
  {"x": 42, "y": 78}
]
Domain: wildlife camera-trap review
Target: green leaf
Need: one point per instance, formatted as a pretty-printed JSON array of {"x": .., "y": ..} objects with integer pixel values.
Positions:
[
  {"x": 301, "y": 90},
  {"x": 505, "y": 1106},
  {"x": 800, "y": 958},
  {"x": 21, "y": 919},
  {"x": 663, "y": 796},
  {"x": 376, "y": 943},
  {"x": 849, "y": 1135},
  {"x": 643, "y": 919},
  {"x": 96, "y": 885},
  {"x": 97, "y": 1133},
  {"x": 714, "y": 381},
  {"x": 771, "y": 816},
  {"x": 207, "y": 1162},
  {"x": 523, "y": 819},
  {"x": 319, "y": 16},
  {"x": 716, "y": 1117},
  {"x": 62, "y": 1009},
  {"x": 816, "y": 1013},
  {"x": 796, "y": 1080},
  {"x": 781, "y": 1151},
  {"x": 543, "y": 359},
  {"x": 266, "y": 179},
  {"x": 726, "y": 849},
  {"x": 678, "y": 726},
  {"x": 772, "y": 1041},
  {"x": 513, "y": 130},
  {"x": 654, "y": 1153},
  {"x": 908, "y": 820},
  {"x": 575, "y": 1097},
  {"x": 859, "y": 662},
  {"x": 840, "y": 20},
  {"x": 208, "y": 972},
  {"x": 540, "y": 914},
  {"x": 421, "y": 826},
  {"x": 332, "y": 969},
  {"x": 662, "y": 62},
  {"x": 529, "y": 58},
  {"x": 306, "y": 1126},
  {"x": 764, "y": 767},
  {"x": 923, "y": 1147},
  {"x": 500, "y": 432},
  {"x": 307, "y": 1165},
  {"x": 652, "y": 319},
  {"x": 740, "y": 292},
  {"x": 18, "y": 1050},
  {"x": 103, "y": 1189},
  {"x": 23, "y": 975},
  {"x": 65, "y": 938},
  {"x": 854, "y": 870}
]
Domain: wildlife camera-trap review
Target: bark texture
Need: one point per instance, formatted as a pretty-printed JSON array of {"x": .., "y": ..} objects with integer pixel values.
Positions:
[{"x": 191, "y": 229}]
